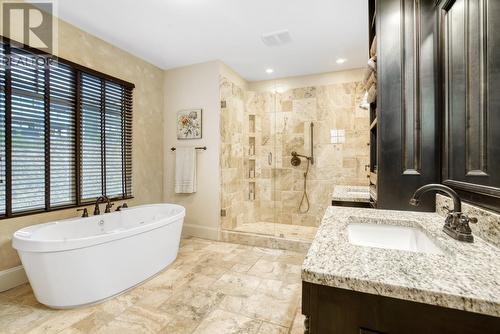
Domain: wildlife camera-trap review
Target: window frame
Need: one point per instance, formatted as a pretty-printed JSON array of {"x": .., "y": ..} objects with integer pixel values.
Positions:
[{"x": 79, "y": 70}]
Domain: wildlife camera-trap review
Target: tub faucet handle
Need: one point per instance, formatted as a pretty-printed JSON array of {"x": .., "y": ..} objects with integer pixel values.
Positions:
[
  {"x": 123, "y": 206},
  {"x": 85, "y": 213},
  {"x": 108, "y": 207}
]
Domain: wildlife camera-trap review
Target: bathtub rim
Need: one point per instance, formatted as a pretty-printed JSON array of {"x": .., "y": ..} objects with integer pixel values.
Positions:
[{"x": 27, "y": 244}]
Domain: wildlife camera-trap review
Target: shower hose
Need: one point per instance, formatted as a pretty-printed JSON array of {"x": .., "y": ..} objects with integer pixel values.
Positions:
[{"x": 305, "y": 198}]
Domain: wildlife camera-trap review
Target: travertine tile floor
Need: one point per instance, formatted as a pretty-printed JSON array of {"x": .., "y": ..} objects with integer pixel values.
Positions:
[{"x": 212, "y": 287}]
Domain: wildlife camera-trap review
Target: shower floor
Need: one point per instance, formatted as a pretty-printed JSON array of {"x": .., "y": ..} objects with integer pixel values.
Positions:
[{"x": 294, "y": 232}]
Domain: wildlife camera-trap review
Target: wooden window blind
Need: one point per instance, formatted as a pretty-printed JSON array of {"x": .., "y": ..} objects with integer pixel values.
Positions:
[{"x": 65, "y": 135}]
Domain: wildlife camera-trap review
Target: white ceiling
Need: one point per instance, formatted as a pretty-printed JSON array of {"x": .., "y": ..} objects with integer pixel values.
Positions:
[{"x": 174, "y": 33}]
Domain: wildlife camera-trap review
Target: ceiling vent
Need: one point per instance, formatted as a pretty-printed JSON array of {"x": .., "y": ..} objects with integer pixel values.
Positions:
[{"x": 275, "y": 38}]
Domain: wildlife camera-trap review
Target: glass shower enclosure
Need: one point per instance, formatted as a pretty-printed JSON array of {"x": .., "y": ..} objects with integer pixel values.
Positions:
[{"x": 266, "y": 155}]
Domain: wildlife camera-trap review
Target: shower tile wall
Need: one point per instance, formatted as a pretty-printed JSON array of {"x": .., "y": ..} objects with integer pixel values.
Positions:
[
  {"x": 235, "y": 208},
  {"x": 281, "y": 125}
]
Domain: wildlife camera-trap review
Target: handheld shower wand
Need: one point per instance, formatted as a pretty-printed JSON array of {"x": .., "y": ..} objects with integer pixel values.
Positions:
[{"x": 296, "y": 161}]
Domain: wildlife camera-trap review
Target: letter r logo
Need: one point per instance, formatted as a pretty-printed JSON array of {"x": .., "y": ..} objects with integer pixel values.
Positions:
[{"x": 29, "y": 24}]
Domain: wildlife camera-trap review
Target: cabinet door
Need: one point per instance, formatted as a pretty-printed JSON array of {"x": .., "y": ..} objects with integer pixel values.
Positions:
[
  {"x": 408, "y": 122},
  {"x": 471, "y": 63}
]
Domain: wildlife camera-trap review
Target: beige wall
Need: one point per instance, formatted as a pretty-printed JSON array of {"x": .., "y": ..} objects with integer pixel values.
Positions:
[
  {"x": 195, "y": 86},
  {"x": 85, "y": 49}
]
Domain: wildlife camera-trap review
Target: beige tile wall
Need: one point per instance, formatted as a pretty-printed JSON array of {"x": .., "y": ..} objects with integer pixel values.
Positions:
[{"x": 282, "y": 123}]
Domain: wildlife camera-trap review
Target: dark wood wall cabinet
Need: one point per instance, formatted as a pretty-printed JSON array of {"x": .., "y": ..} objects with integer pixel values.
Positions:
[
  {"x": 438, "y": 106},
  {"x": 337, "y": 311},
  {"x": 408, "y": 122},
  {"x": 470, "y": 55}
]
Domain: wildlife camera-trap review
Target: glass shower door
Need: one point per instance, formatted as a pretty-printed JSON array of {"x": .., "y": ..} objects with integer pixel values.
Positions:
[
  {"x": 248, "y": 160},
  {"x": 266, "y": 160},
  {"x": 294, "y": 115}
]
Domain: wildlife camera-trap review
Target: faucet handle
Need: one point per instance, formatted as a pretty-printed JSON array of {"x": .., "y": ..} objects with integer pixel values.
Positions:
[
  {"x": 446, "y": 209},
  {"x": 457, "y": 226},
  {"x": 108, "y": 207},
  {"x": 85, "y": 213},
  {"x": 463, "y": 229},
  {"x": 468, "y": 219}
]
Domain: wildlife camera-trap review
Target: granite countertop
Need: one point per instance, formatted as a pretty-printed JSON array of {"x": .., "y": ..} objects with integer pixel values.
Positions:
[
  {"x": 465, "y": 277},
  {"x": 351, "y": 194}
]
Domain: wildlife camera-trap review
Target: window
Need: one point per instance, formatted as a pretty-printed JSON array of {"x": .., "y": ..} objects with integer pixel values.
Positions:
[
  {"x": 65, "y": 135},
  {"x": 337, "y": 136}
]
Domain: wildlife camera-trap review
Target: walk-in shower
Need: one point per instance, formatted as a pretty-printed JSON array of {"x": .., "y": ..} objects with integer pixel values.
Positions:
[{"x": 279, "y": 163}]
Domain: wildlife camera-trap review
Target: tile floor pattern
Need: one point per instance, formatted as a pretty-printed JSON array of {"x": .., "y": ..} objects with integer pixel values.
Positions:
[{"x": 212, "y": 287}]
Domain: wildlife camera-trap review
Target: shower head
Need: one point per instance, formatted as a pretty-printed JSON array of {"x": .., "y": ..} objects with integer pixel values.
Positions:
[{"x": 295, "y": 159}]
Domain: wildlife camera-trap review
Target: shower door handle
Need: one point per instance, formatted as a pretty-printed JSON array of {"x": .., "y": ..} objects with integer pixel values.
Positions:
[{"x": 270, "y": 158}]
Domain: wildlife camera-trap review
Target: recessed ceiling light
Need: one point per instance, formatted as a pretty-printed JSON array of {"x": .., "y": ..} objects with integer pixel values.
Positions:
[
  {"x": 269, "y": 70},
  {"x": 341, "y": 60}
]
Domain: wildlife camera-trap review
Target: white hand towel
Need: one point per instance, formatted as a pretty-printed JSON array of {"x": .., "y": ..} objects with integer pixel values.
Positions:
[{"x": 185, "y": 170}]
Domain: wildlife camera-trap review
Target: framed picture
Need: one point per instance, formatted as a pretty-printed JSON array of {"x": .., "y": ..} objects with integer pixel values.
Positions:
[{"x": 189, "y": 124}]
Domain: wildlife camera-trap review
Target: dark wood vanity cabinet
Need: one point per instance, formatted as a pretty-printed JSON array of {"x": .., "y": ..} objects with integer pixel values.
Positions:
[
  {"x": 337, "y": 311},
  {"x": 470, "y": 54}
]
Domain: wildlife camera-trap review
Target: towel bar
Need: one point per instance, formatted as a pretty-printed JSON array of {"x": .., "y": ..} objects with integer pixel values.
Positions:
[{"x": 204, "y": 148}]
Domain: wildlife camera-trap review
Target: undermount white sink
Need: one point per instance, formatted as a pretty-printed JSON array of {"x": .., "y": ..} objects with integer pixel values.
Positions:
[{"x": 387, "y": 236}]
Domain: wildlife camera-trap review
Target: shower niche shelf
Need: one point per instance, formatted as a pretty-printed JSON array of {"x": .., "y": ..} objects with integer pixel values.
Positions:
[
  {"x": 251, "y": 169},
  {"x": 251, "y": 191},
  {"x": 251, "y": 146},
  {"x": 251, "y": 124},
  {"x": 251, "y": 158}
]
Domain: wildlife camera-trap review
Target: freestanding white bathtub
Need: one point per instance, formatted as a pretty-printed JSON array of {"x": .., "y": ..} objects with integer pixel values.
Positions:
[{"x": 82, "y": 261}]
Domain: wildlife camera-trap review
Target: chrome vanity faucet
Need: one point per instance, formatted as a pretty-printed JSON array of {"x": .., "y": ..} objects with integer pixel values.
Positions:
[
  {"x": 102, "y": 199},
  {"x": 457, "y": 223}
]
